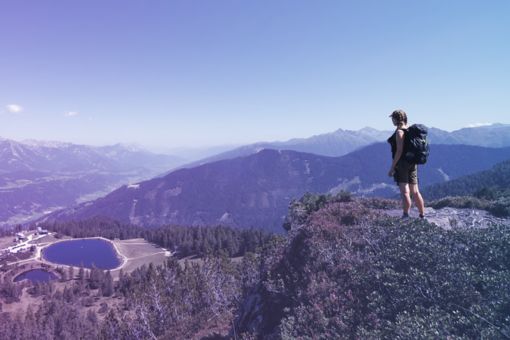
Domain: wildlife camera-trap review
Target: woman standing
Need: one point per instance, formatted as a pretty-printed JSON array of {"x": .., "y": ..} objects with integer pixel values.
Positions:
[{"x": 404, "y": 173}]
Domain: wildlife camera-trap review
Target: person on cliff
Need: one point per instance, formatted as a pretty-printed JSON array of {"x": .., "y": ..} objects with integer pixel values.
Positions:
[{"x": 404, "y": 173}]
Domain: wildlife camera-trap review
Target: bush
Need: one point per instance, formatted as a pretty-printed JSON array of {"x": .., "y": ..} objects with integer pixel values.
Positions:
[
  {"x": 499, "y": 207},
  {"x": 461, "y": 202},
  {"x": 349, "y": 272}
]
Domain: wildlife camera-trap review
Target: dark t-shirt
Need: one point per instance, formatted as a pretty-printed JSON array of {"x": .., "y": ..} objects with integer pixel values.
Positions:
[
  {"x": 404, "y": 171},
  {"x": 393, "y": 142}
]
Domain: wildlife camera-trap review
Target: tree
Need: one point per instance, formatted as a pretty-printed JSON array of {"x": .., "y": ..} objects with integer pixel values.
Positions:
[
  {"x": 96, "y": 277},
  {"x": 30, "y": 325},
  {"x": 107, "y": 284},
  {"x": 70, "y": 273},
  {"x": 81, "y": 277}
]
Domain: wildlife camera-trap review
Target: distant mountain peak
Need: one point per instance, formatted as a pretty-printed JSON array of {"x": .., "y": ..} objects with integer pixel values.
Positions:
[
  {"x": 44, "y": 143},
  {"x": 132, "y": 147},
  {"x": 484, "y": 126}
]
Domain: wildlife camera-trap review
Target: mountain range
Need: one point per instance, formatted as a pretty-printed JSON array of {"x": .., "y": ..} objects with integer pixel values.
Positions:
[
  {"x": 342, "y": 142},
  {"x": 38, "y": 177},
  {"x": 255, "y": 190}
]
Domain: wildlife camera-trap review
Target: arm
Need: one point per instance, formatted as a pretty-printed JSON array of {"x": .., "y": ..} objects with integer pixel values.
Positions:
[{"x": 400, "y": 148}]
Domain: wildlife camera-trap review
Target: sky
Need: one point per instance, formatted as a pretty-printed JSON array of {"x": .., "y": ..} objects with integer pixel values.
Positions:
[{"x": 168, "y": 74}]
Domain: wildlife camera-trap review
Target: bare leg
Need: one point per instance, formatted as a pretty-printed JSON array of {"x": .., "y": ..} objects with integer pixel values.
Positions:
[
  {"x": 418, "y": 200},
  {"x": 406, "y": 197}
]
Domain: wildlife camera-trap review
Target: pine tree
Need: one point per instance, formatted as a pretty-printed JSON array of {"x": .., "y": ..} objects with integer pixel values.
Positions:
[
  {"x": 70, "y": 273},
  {"x": 30, "y": 324},
  {"x": 95, "y": 277},
  {"x": 82, "y": 281},
  {"x": 107, "y": 285}
]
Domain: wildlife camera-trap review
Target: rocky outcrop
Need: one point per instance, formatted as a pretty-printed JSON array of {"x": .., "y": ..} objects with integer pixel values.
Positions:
[
  {"x": 353, "y": 268},
  {"x": 449, "y": 218}
]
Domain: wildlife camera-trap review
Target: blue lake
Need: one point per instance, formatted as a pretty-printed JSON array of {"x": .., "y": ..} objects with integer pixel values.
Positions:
[
  {"x": 86, "y": 252},
  {"x": 36, "y": 275}
]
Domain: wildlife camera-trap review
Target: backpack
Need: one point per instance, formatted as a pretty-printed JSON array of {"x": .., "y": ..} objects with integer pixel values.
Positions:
[{"x": 416, "y": 145}]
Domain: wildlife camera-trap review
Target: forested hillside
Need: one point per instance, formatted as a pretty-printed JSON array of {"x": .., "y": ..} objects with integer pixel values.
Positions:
[
  {"x": 489, "y": 190},
  {"x": 254, "y": 191},
  {"x": 345, "y": 270},
  {"x": 495, "y": 179},
  {"x": 183, "y": 241}
]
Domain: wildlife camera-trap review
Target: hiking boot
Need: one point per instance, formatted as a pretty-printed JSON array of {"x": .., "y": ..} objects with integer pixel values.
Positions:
[{"x": 405, "y": 215}]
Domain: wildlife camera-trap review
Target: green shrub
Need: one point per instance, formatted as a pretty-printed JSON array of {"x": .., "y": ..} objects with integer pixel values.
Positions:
[{"x": 349, "y": 272}]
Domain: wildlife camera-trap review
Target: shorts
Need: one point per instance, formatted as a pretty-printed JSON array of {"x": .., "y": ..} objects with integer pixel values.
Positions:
[{"x": 406, "y": 172}]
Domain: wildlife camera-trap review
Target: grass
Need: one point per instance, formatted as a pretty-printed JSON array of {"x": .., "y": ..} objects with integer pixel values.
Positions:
[
  {"x": 6, "y": 242},
  {"x": 20, "y": 307},
  {"x": 136, "y": 248},
  {"x": 46, "y": 239},
  {"x": 136, "y": 253}
]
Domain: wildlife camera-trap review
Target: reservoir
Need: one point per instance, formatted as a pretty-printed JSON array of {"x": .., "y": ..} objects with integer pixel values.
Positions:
[
  {"x": 83, "y": 252},
  {"x": 36, "y": 275}
]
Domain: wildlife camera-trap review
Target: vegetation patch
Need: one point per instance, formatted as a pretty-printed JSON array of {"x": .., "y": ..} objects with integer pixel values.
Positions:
[
  {"x": 341, "y": 275},
  {"x": 488, "y": 190},
  {"x": 345, "y": 270}
]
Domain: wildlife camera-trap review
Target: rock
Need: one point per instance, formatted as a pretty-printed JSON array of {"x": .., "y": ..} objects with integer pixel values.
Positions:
[{"x": 448, "y": 218}]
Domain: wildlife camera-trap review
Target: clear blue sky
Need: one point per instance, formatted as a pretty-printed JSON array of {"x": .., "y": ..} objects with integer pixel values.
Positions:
[{"x": 195, "y": 73}]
